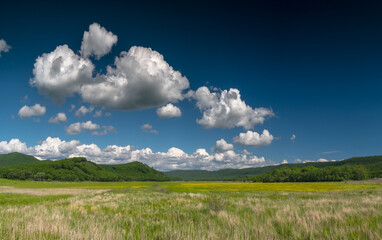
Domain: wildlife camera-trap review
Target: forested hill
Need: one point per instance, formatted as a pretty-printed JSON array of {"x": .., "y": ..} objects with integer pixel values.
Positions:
[
  {"x": 373, "y": 164},
  {"x": 15, "y": 158},
  {"x": 79, "y": 169}
]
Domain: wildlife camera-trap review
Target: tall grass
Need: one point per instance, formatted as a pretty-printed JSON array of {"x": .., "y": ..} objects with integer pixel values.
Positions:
[{"x": 156, "y": 212}]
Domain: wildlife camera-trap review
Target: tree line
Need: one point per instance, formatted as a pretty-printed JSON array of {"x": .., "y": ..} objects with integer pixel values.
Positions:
[{"x": 313, "y": 174}]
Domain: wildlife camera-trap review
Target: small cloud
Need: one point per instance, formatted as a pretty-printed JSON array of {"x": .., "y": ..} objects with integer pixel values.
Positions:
[
  {"x": 297, "y": 160},
  {"x": 60, "y": 118},
  {"x": 148, "y": 128},
  {"x": 169, "y": 111},
  {"x": 293, "y": 137},
  {"x": 79, "y": 127},
  {"x": 322, "y": 160},
  {"x": 330, "y": 152},
  {"x": 107, "y": 114},
  {"x": 253, "y": 139},
  {"x": 98, "y": 113},
  {"x": 106, "y": 130},
  {"x": 222, "y": 146},
  {"x": 82, "y": 111},
  {"x": 4, "y": 47},
  {"x": 27, "y": 111},
  {"x": 72, "y": 107},
  {"x": 284, "y": 161}
]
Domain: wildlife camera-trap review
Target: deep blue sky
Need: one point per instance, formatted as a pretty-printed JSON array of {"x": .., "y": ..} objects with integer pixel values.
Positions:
[{"x": 317, "y": 64}]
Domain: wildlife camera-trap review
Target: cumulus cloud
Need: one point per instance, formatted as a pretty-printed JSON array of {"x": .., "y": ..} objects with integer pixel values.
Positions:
[
  {"x": 169, "y": 111},
  {"x": 174, "y": 158},
  {"x": 59, "y": 118},
  {"x": 106, "y": 130},
  {"x": 284, "y": 161},
  {"x": 82, "y": 111},
  {"x": 14, "y": 145},
  {"x": 30, "y": 111},
  {"x": 253, "y": 139},
  {"x": 322, "y": 160},
  {"x": 4, "y": 47},
  {"x": 61, "y": 73},
  {"x": 148, "y": 128},
  {"x": 141, "y": 79},
  {"x": 97, "y": 41},
  {"x": 222, "y": 146},
  {"x": 225, "y": 109},
  {"x": 78, "y": 127}
]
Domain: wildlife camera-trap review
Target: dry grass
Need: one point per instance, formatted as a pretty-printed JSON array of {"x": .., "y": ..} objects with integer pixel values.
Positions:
[{"x": 150, "y": 213}]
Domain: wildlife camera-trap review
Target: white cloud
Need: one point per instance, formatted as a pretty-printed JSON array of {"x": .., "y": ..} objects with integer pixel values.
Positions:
[
  {"x": 222, "y": 146},
  {"x": 98, "y": 113},
  {"x": 174, "y": 158},
  {"x": 97, "y": 42},
  {"x": 27, "y": 111},
  {"x": 225, "y": 109},
  {"x": 60, "y": 118},
  {"x": 106, "y": 130},
  {"x": 322, "y": 160},
  {"x": 141, "y": 79},
  {"x": 78, "y": 127},
  {"x": 82, "y": 111},
  {"x": 148, "y": 128},
  {"x": 293, "y": 137},
  {"x": 4, "y": 47},
  {"x": 253, "y": 139},
  {"x": 169, "y": 111},
  {"x": 14, "y": 145},
  {"x": 61, "y": 73},
  {"x": 284, "y": 161}
]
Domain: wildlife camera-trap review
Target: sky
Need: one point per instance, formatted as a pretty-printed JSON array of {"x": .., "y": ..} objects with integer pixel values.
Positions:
[{"x": 191, "y": 84}]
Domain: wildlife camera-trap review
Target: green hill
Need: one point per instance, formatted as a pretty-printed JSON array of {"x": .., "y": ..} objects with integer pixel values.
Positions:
[
  {"x": 373, "y": 164},
  {"x": 15, "y": 158},
  {"x": 79, "y": 169}
]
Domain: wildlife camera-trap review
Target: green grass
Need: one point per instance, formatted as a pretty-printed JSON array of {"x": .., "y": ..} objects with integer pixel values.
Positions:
[
  {"x": 190, "y": 210},
  {"x": 197, "y": 186}
]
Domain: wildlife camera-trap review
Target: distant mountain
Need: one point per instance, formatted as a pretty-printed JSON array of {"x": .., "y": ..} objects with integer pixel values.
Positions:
[
  {"x": 80, "y": 169},
  {"x": 373, "y": 164},
  {"x": 15, "y": 158}
]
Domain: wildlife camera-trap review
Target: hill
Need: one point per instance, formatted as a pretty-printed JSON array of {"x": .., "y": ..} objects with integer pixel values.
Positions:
[
  {"x": 373, "y": 164},
  {"x": 79, "y": 169},
  {"x": 15, "y": 158}
]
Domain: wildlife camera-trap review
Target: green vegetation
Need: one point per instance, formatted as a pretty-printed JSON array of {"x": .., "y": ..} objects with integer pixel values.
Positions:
[
  {"x": 151, "y": 210},
  {"x": 15, "y": 158},
  {"x": 373, "y": 165},
  {"x": 79, "y": 169},
  {"x": 313, "y": 174}
]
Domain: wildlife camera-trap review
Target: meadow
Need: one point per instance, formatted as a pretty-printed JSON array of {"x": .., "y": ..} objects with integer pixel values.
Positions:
[{"x": 189, "y": 210}]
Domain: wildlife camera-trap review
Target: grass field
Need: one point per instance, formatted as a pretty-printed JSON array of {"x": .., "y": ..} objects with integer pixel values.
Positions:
[{"x": 178, "y": 210}]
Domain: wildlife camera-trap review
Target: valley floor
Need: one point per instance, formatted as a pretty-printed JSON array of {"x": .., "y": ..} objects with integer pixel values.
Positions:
[{"x": 190, "y": 210}]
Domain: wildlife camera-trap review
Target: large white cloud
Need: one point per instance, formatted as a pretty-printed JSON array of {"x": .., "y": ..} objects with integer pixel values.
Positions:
[
  {"x": 225, "y": 109},
  {"x": 253, "y": 139},
  {"x": 78, "y": 127},
  {"x": 14, "y": 145},
  {"x": 59, "y": 118},
  {"x": 97, "y": 42},
  {"x": 61, "y": 73},
  {"x": 169, "y": 111},
  {"x": 174, "y": 158},
  {"x": 141, "y": 79},
  {"x": 30, "y": 111},
  {"x": 4, "y": 47}
]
